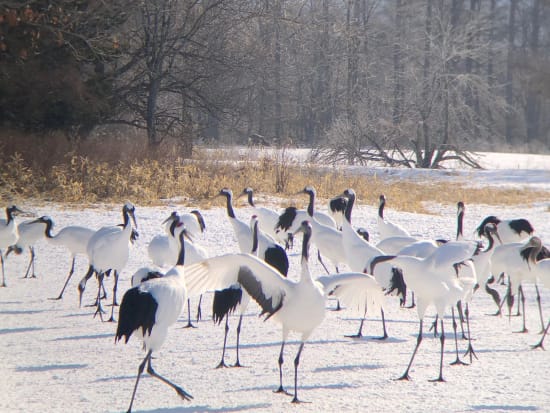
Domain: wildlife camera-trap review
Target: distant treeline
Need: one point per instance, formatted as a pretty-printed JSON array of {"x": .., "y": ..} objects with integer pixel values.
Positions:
[{"x": 418, "y": 75}]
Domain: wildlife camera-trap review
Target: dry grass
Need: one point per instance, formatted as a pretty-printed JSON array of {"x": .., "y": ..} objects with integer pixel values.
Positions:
[{"x": 79, "y": 177}]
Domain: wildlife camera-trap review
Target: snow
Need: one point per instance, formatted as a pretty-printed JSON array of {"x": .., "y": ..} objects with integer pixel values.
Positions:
[{"x": 57, "y": 357}]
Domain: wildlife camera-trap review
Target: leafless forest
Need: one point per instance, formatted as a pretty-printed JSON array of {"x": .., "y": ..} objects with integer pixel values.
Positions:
[{"x": 408, "y": 82}]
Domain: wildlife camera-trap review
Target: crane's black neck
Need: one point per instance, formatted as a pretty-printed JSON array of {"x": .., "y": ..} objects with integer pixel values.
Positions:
[
  {"x": 9, "y": 214},
  {"x": 126, "y": 217},
  {"x": 381, "y": 207},
  {"x": 181, "y": 255},
  {"x": 349, "y": 206},
  {"x": 250, "y": 199},
  {"x": 49, "y": 226},
  {"x": 310, "y": 206},
  {"x": 200, "y": 219},
  {"x": 459, "y": 224},
  {"x": 255, "y": 238},
  {"x": 230, "y": 211},
  {"x": 305, "y": 245}
]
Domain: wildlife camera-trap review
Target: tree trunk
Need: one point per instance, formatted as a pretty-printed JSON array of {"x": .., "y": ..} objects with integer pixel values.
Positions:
[{"x": 509, "y": 71}]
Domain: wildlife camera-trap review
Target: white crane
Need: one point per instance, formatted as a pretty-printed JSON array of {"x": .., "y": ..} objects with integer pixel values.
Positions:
[
  {"x": 388, "y": 228},
  {"x": 148, "y": 309},
  {"x": 75, "y": 238},
  {"x": 513, "y": 260},
  {"x": 327, "y": 239},
  {"x": 360, "y": 253},
  {"x": 434, "y": 281},
  {"x": 268, "y": 249},
  {"x": 509, "y": 230},
  {"x": 267, "y": 217},
  {"x": 297, "y": 306},
  {"x": 336, "y": 208},
  {"x": 163, "y": 249},
  {"x": 108, "y": 250},
  {"x": 542, "y": 272},
  {"x": 8, "y": 234},
  {"x": 30, "y": 232},
  {"x": 227, "y": 299},
  {"x": 292, "y": 217}
]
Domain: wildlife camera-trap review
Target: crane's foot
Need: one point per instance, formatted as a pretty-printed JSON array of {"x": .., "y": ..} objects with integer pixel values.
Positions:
[
  {"x": 281, "y": 390},
  {"x": 440, "y": 379},
  {"x": 222, "y": 365},
  {"x": 458, "y": 362}
]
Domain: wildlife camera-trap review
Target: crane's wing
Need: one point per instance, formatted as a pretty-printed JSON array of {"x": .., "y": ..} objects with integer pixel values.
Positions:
[
  {"x": 262, "y": 282},
  {"x": 452, "y": 252},
  {"x": 358, "y": 291}
]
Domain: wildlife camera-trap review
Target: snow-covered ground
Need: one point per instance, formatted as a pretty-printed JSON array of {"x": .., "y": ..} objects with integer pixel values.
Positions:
[{"x": 58, "y": 358}]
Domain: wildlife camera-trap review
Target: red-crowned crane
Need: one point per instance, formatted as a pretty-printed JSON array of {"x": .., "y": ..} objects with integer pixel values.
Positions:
[
  {"x": 148, "y": 309},
  {"x": 8, "y": 234},
  {"x": 297, "y": 306}
]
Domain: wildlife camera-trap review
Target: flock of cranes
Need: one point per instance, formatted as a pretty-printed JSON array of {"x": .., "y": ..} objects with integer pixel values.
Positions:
[{"x": 440, "y": 273}]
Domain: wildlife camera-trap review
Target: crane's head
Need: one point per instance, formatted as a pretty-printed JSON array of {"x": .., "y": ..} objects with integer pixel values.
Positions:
[
  {"x": 460, "y": 208},
  {"x": 44, "y": 219},
  {"x": 129, "y": 210},
  {"x": 13, "y": 210},
  {"x": 349, "y": 193},
  {"x": 226, "y": 192}
]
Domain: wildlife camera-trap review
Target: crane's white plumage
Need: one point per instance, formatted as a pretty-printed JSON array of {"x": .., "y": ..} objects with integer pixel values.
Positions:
[
  {"x": 434, "y": 281},
  {"x": 108, "y": 250},
  {"x": 297, "y": 306},
  {"x": 149, "y": 308},
  {"x": 30, "y": 232},
  {"x": 509, "y": 230},
  {"x": 387, "y": 228},
  {"x": 75, "y": 238},
  {"x": 8, "y": 234},
  {"x": 267, "y": 218}
]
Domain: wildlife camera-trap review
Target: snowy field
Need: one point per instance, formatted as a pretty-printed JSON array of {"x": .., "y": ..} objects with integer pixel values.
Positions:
[{"x": 58, "y": 358}]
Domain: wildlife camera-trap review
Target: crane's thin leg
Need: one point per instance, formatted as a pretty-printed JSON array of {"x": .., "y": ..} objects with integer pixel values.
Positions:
[
  {"x": 99, "y": 310},
  {"x": 3, "y": 274},
  {"x": 222, "y": 362},
  {"x": 182, "y": 393},
  {"x": 140, "y": 371},
  {"x": 281, "y": 361},
  {"x": 521, "y": 297},
  {"x": 539, "y": 344},
  {"x": 296, "y": 363},
  {"x": 112, "y": 318},
  {"x": 189, "y": 323},
  {"x": 434, "y": 325},
  {"x": 199, "y": 312},
  {"x": 82, "y": 283},
  {"x": 359, "y": 333},
  {"x": 238, "y": 363},
  {"x": 461, "y": 318},
  {"x": 385, "y": 334},
  {"x": 412, "y": 301},
  {"x": 31, "y": 264},
  {"x": 540, "y": 309},
  {"x": 442, "y": 340},
  {"x": 321, "y": 261},
  {"x": 470, "y": 351},
  {"x": 60, "y": 296},
  {"x": 494, "y": 294},
  {"x": 405, "y": 375},
  {"x": 457, "y": 361}
]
